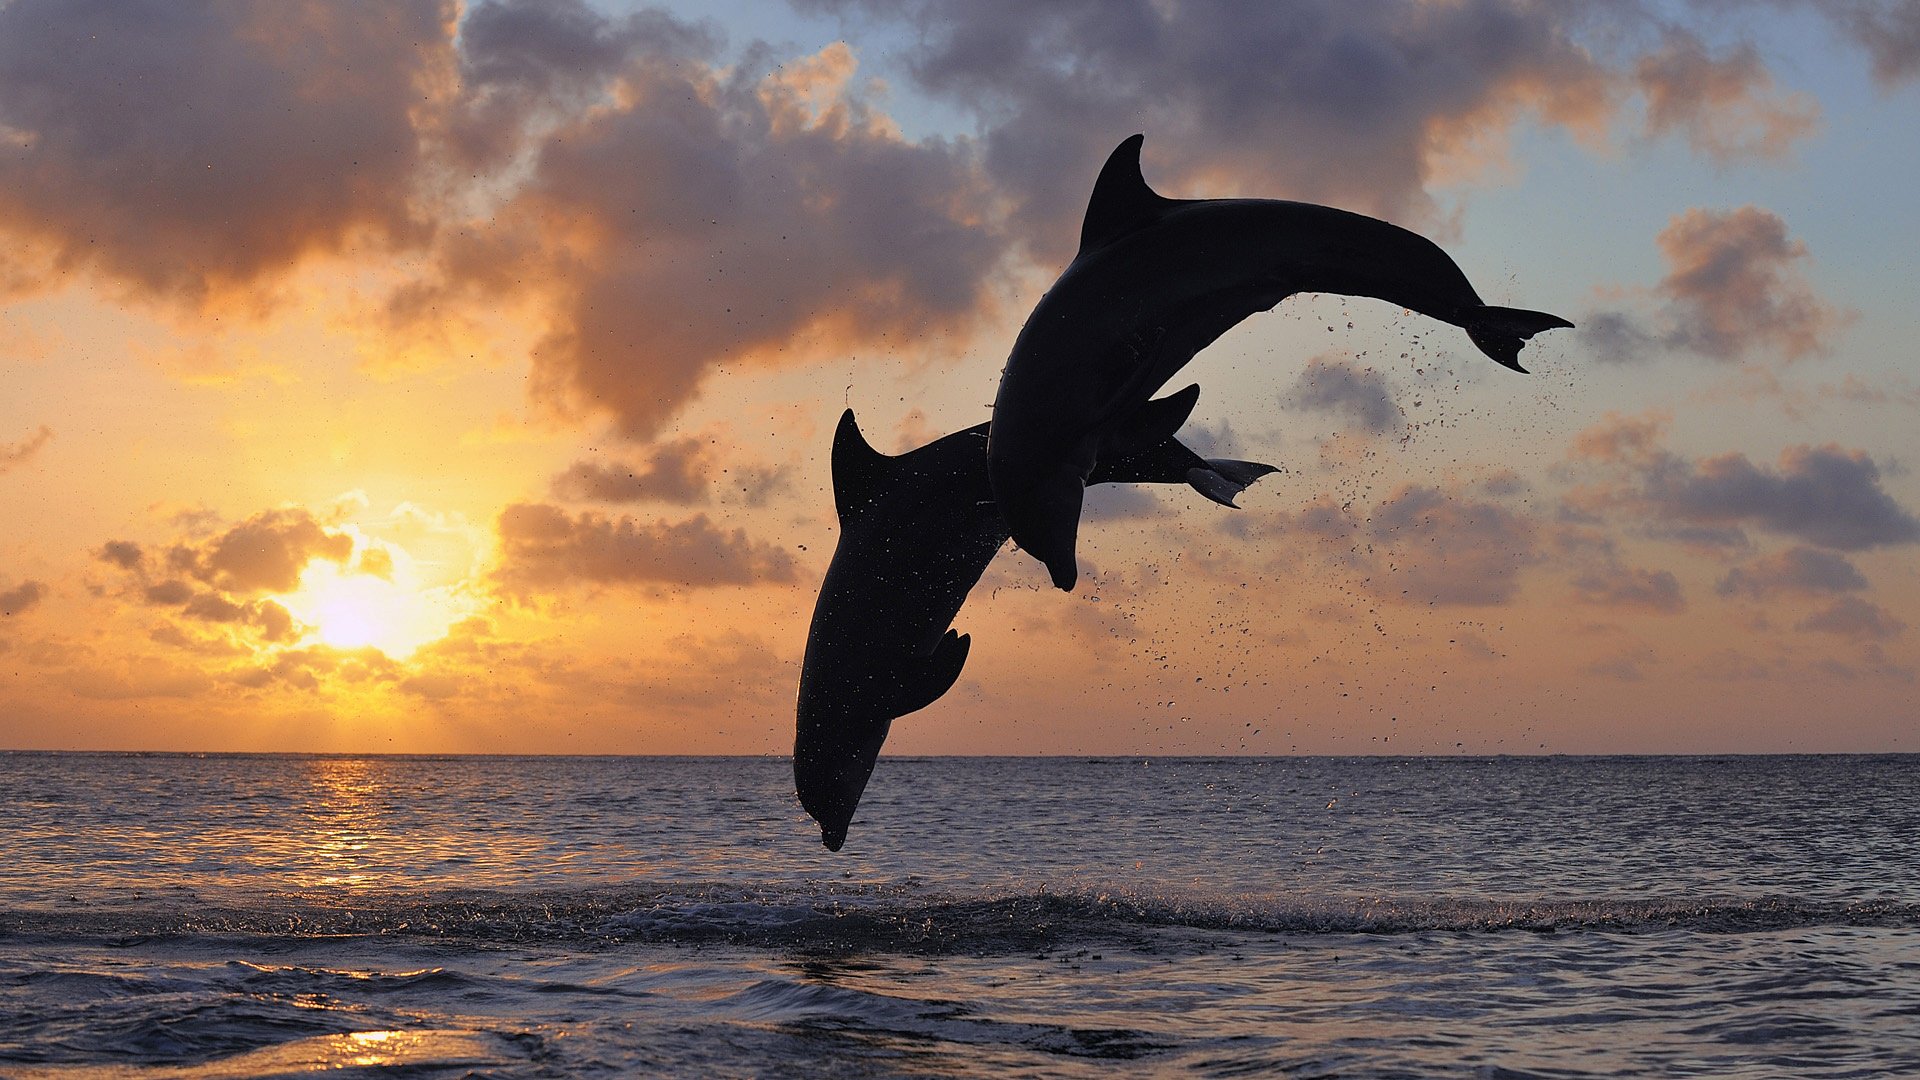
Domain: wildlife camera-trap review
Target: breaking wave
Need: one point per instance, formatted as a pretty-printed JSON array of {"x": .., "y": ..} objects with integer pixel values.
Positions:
[{"x": 913, "y": 918}]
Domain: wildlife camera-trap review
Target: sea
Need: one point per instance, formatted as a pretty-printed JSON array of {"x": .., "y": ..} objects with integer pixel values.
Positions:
[{"x": 170, "y": 915}]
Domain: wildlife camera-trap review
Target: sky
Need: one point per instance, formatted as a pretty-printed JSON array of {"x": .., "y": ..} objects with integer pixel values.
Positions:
[{"x": 431, "y": 377}]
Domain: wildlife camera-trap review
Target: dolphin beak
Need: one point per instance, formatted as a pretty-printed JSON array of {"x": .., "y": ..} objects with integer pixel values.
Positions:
[{"x": 833, "y": 837}]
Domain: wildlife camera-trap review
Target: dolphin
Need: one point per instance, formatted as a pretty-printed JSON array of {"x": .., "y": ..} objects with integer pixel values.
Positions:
[
  {"x": 1155, "y": 281},
  {"x": 916, "y": 532}
]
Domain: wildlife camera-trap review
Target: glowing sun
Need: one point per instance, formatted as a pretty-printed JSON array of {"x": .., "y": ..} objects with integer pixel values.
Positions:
[{"x": 358, "y": 610}]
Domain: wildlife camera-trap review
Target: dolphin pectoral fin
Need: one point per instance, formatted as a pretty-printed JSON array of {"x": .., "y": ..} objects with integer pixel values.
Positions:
[
  {"x": 1224, "y": 479},
  {"x": 1501, "y": 331},
  {"x": 932, "y": 677},
  {"x": 1152, "y": 423}
]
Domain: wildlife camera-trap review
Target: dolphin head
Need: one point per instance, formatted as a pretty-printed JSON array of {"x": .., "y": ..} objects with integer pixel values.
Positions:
[
  {"x": 832, "y": 762},
  {"x": 1040, "y": 501},
  {"x": 850, "y": 694}
]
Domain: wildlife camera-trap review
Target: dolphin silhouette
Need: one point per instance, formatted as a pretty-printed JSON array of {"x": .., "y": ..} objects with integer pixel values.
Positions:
[
  {"x": 916, "y": 533},
  {"x": 1155, "y": 281}
]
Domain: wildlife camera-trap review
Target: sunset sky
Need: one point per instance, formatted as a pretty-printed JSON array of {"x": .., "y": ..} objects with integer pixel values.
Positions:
[{"x": 428, "y": 378}]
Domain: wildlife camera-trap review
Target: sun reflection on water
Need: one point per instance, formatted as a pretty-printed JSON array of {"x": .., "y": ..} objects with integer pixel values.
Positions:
[{"x": 346, "y": 817}]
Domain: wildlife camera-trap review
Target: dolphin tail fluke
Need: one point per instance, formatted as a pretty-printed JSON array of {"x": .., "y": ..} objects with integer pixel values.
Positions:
[
  {"x": 1501, "y": 331},
  {"x": 928, "y": 681},
  {"x": 1223, "y": 479}
]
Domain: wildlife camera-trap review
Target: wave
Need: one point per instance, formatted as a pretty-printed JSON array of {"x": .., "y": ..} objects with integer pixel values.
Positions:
[{"x": 915, "y": 918}]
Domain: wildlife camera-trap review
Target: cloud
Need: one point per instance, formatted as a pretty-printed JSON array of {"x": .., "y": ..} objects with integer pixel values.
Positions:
[
  {"x": 22, "y": 597},
  {"x": 265, "y": 553},
  {"x": 1795, "y": 570},
  {"x": 1359, "y": 395},
  {"x": 1619, "y": 439},
  {"x": 375, "y": 562},
  {"x": 1627, "y": 665},
  {"x": 14, "y": 455},
  {"x": 1888, "y": 29},
  {"x": 168, "y": 593},
  {"x": 132, "y": 677},
  {"x": 1119, "y": 502},
  {"x": 216, "y": 580},
  {"x": 124, "y": 554},
  {"x": 1362, "y": 105},
  {"x": 1725, "y": 107},
  {"x": 542, "y": 547},
  {"x": 1631, "y": 587},
  {"x": 1449, "y": 549},
  {"x": 1823, "y": 495},
  {"x": 698, "y": 215},
  {"x": 1852, "y": 617},
  {"x": 674, "y": 472},
  {"x": 306, "y": 668},
  {"x": 1827, "y": 496},
  {"x": 1732, "y": 290},
  {"x": 184, "y": 149}
]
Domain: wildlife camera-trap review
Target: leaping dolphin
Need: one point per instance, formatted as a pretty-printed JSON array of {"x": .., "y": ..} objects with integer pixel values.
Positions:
[
  {"x": 916, "y": 533},
  {"x": 1155, "y": 281}
]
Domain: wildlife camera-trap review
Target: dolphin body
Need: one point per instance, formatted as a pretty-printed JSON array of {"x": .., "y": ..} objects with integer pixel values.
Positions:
[
  {"x": 916, "y": 533},
  {"x": 1155, "y": 281}
]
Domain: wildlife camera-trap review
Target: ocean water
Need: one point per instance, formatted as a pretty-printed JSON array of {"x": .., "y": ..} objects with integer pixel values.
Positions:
[{"x": 244, "y": 916}]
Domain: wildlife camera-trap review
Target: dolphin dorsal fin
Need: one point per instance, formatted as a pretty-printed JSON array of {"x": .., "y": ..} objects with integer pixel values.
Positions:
[
  {"x": 1122, "y": 202},
  {"x": 857, "y": 468}
]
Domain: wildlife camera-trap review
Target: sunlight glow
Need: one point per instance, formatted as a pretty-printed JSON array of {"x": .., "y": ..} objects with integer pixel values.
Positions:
[{"x": 395, "y": 614}]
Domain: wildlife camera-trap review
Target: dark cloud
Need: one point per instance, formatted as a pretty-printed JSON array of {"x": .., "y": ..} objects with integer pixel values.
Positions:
[
  {"x": 1827, "y": 496},
  {"x": 1733, "y": 289},
  {"x": 265, "y": 553},
  {"x": 1795, "y": 570},
  {"x": 1360, "y": 395},
  {"x": 542, "y": 547},
  {"x": 527, "y": 63},
  {"x": 1725, "y": 106},
  {"x": 124, "y": 554},
  {"x": 1852, "y": 617},
  {"x": 180, "y": 149},
  {"x": 273, "y": 622},
  {"x": 1362, "y": 105},
  {"x": 212, "y": 607},
  {"x": 14, "y": 455},
  {"x": 674, "y": 472},
  {"x": 1631, "y": 587},
  {"x": 1823, "y": 495},
  {"x": 1888, "y": 29},
  {"x": 168, "y": 593},
  {"x": 701, "y": 215},
  {"x": 1443, "y": 548},
  {"x": 21, "y": 597}
]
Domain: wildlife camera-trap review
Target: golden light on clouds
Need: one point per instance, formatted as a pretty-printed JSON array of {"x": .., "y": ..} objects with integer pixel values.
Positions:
[{"x": 380, "y": 601}]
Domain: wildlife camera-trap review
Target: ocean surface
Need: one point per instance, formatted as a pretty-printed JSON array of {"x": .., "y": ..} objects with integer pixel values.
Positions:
[{"x": 283, "y": 915}]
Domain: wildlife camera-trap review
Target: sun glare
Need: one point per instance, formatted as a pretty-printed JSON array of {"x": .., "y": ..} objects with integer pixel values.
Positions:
[{"x": 356, "y": 610}]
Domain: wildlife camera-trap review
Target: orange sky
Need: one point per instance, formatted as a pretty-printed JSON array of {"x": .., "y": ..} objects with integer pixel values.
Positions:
[{"x": 461, "y": 379}]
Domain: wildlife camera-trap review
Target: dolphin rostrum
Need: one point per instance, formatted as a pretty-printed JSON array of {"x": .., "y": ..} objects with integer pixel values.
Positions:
[
  {"x": 916, "y": 532},
  {"x": 1155, "y": 281}
]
